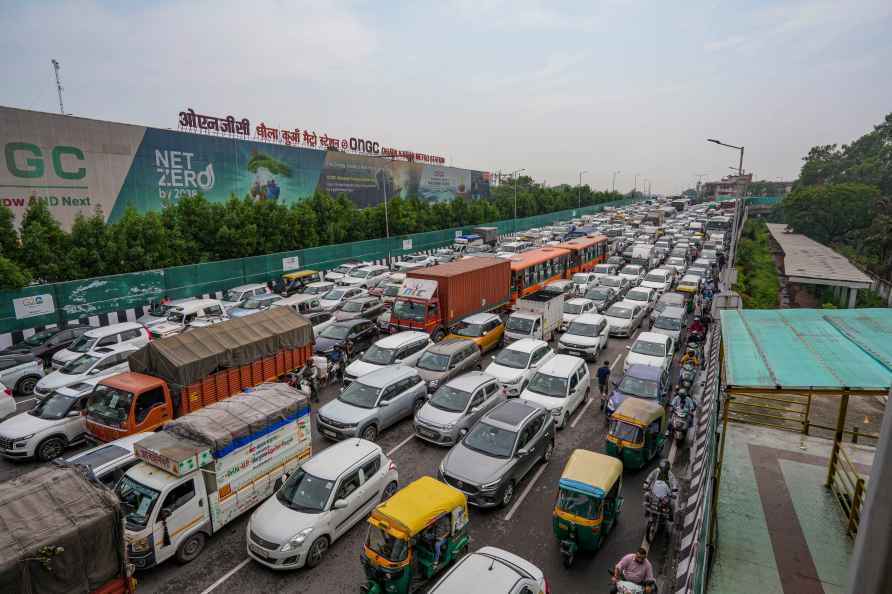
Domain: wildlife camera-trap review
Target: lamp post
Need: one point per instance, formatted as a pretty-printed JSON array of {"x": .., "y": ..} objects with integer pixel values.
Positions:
[
  {"x": 579, "y": 192},
  {"x": 613, "y": 186},
  {"x": 739, "y": 148},
  {"x": 635, "y": 185},
  {"x": 386, "y": 218},
  {"x": 514, "y": 174}
]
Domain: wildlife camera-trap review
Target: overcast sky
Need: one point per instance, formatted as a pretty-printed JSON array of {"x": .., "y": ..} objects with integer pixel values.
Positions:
[{"x": 553, "y": 87}]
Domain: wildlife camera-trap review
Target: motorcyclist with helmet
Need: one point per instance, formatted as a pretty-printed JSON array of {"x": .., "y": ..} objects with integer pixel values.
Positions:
[
  {"x": 663, "y": 472},
  {"x": 682, "y": 401}
]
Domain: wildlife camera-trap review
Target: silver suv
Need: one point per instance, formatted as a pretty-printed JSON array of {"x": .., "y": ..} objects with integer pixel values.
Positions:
[
  {"x": 373, "y": 403},
  {"x": 498, "y": 451},
  {"x": 455, "y": 406},
  {"x": 21, "y": 372}
]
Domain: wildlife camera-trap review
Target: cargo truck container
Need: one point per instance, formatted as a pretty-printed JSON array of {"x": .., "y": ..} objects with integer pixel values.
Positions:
[
  {"x": 209, "y": 467},
  {"x": 174, "y": 376},
  {"x": 433, "y": 299},
  {"x": 490, "y": 235},
  {"x": 537, "y": 315},
  {"x": 62, "y": 533}
]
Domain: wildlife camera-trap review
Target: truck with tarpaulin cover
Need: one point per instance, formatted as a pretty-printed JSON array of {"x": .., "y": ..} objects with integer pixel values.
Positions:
[
  {"x": 435, "y": 298},
  {"x": 62, "y": 533},
  {"x": 174, "y": 376},
  {"x": 207, "y": 468}
]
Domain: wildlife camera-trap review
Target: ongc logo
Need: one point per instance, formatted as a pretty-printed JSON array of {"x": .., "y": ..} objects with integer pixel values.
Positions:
[{"x": 26, "y": 160}]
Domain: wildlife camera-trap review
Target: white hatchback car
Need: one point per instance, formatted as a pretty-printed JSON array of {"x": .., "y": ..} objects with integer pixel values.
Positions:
[
  {"x": 633, "y": 273},
  {"x": 319, "y": 503},
  {"x": 651, "y": 349},
  {"x": 586, "y": 336},
  {"x": 104, "y": 336},
  {"x": 493, "y": 571},
  {"x": 337, "y": 296},
  {"x": 402, "y": 348},
  {"x": 516, "y": 363},
  {"x": 95, "y": 364},
  {"x": 561, "y": 386},
  {"x": 573, "y": 308},
  {"x": 642, "y": 296},
  {"x": 659, "y": 279},
  {"x": 624, "y": 317}
]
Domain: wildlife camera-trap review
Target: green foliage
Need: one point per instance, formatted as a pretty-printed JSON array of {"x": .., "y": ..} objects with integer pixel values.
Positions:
[
  {"x": 832, "y": 213},
  {"x": 869, "y": 298},
  {"x": 45, "y": 246},
  {"x": 757, "y": 280},
  {"x": 9, "y": 239},
  {"x": 12, "y": 277}
]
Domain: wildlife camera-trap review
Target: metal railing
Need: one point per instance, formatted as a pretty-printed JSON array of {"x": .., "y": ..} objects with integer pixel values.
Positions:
[
  {"x": 848, "y": 486},
  {"x": 789, "y": 412}
]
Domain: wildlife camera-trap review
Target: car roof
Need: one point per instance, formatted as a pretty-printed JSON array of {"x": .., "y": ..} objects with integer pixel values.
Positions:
[
  {"x": 247, "y": 287},
  {"x": 589, "y": 318},
  {"x": 479, "y": 318},
  {"x": 351, "y": 323},
  {"x": 451, "y": 345},
  {"x": 125, "y": 442},
  {"x": 672, "y": 312},
  {"x": 561, "y": 365},
  {"x": 652, "y": 337},
  {"x": 511, "y": 413},
  {"x": 374, "y": 267},
  {"x": 331, "y": 462},
  {"x": 578, "y": 301},
  {"x": 297, "y": 298},
  {"x": 112, "y": 329},
  {"x": 690, "y": 278},
  {"x": 386, "y": 375},
  {"x": 400, "y": 338},
  {"x": 321, "y": 283},
  {"x": 526, "y": 345},
  {"x": 363, "y": 298},
  {"x": 488, "y": 568},
  {"x": 468, "y": 382}
]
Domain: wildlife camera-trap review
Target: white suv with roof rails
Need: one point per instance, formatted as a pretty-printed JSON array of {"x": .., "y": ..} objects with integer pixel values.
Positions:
[
  {"x": 319, "y": 502},
  {"x": 366, "y": 277},
  {"x": 194, "y": 313},
  {"x": 236, "y": 295},
  {"x": 561, "y": 386},
  {"x": 402, "y": 348},
  {"x": 336, "y": 274},
  {"x": 130, "y": 333},
  {"x": 517, "y": 362}
]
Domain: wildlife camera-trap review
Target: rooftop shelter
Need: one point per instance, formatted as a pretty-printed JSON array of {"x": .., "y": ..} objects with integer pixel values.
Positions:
[{"x": 804, "y": 261}]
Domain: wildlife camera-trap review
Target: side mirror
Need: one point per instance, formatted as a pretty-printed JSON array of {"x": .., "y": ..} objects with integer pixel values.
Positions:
[
  {"x": 384, "y": 403},
  {"x": 339, "y": 504},
  {"x": 398, "y": 361},
  {"x": 93, "y": 371},
  {"x": 76, "y": 413},
  {"x": 463, "y": 431},
  {"x": 523, "y": 453},
  {"x": 164, "y": 513},
  {"x": 474, "y": 409},
  {"x": 628, "y": 347}
]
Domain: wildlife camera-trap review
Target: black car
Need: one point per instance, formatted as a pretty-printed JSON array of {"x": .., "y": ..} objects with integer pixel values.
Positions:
[
  {"x": 46, "y": 343},
  {"x": 603, "y": 296},
  {"x": 361, "y": 333}
]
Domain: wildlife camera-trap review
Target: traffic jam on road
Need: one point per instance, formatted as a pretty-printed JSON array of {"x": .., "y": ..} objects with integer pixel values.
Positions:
[{"x": 503, "y": 415}]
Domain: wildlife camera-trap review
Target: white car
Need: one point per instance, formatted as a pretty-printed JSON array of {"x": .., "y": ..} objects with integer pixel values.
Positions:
[
  {"x": 103, "y": 336},
  {"x": 515, "y": 364},
  {"x": 366, "y": 277},
  {"x": 624, "y": 318},
  {"x": 678, "y": 264},
  {"x": 659, "y": 279},
  {"x": 493, "y": 571},
  {"x": 651, "y": 349},
  {"x": 583, "y": 280},
  {"x": 402, "y": 348},
  {"x": 337, "y": 296},
  {"x": 234, "y": 296},
  {"x": 643, "y": 296},
  {"x": 318, "y": 288},
  {"x": 319, "y": 502},
  {"x": 585, "y": 337},
  {"x": 98, "y": 363},
  {"x": 7, "y": 403},
  {"x": 633, "y": 273},
  {"x": 336, "y": 274},
  {"x": 109, "y": 461},
  {"x": 414, "y": 262},
  {"x": 573, "y": 308},
  {"x": 561, "y": 385},
  {"x": 47, "y": 429},
  {"x": 605, "y": 270}
]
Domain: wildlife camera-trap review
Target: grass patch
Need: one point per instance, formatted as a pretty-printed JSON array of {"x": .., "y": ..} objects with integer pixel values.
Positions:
[{"x": 757, "y": 280}]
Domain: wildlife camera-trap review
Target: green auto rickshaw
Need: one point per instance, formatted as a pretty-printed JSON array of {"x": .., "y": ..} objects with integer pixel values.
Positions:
[
  {"x": 588, "y": 502},
  {"x": 413, "y": 535},
  {"x": 637, "y": 431}
]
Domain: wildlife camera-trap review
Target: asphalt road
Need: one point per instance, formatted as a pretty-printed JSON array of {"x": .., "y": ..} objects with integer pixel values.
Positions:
[{"x": 524, "y": 528}]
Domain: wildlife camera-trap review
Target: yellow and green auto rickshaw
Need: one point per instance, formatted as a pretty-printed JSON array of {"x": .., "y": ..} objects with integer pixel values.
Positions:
[
  {"x": 420, "y": 530},
  {"x": 588, "y": 502},
  {"x": 637, "y": 431},
  {"x": 294, "y": 282}
]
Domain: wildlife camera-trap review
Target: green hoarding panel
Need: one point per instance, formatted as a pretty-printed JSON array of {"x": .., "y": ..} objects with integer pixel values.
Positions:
[
  {"x": 77, "y": 299},
  {"x": 8, "y": 320}
]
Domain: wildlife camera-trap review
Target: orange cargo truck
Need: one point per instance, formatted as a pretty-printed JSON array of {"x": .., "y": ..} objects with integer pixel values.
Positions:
[{"x": 174, "y": 376}]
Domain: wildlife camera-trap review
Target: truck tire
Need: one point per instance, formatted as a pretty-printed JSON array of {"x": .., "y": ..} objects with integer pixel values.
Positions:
[
  {"x": 191, "y": 548},
  {"x": 50, "y": 449}
]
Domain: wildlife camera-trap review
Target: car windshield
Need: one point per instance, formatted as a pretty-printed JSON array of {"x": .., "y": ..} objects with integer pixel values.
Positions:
[
  {"x": 304, "y": 492},
  {"x": 665, "y": 323},
  {"x": 582, "y": 329},
  {"x": 598, "y": 294},
  {"x": 311, "y": 290},
  {"x": 137, "y": 501},
  {"x": 655, "y": 278},
  {"x": 38, "y": 338},
  {"x": 386, "y": 545},
  {"x": 404, "y": 309},
  {"x": 602, "y": 269},
  {"x": 343, "y": 269},
  {"x": 176, "y": 316},
  {"x": 108, "y": 405},
  {"x": 580, "y": 279},
  {"x": 53, "y": 408},
  {"x": 512, "y": 358},
  {"x": 391, "y": 290},
  {"x": 83, "y": 344},
  {"x": 611, "y": 281},
  {"x": 253, "y": 303},
  {"x": 572, "y": 308},
  {"x": 490, "y": 440},
  {"x": 634, "y": 386},
  {"x": 625, "y": 431},
  {"x": 433, "y": 362},
  {"x": 579, "y": 504},
  {"x": 450, "y": 399},
  {"x": 80, "y": 365},
  {"x": 548, "y": 385},
  {"x": 361, "y": 395},
  {"x": 336, "y": 332},
  {"x": 233, "y": 296},
  {"x": 519, "y": 325},
  {"x": 352, "y": 307},
  {"x": 633, "y": 270},
  {"x": 637, "y": 295},
  {"x": 617, "y": 311},
  {"x": 652, "y": 349},
  {"x": 335, "y": 295},
  {"x": 360, "y": 273},
  {"x": 378, "y": 355},
  {"x": 468, "y": 329}
]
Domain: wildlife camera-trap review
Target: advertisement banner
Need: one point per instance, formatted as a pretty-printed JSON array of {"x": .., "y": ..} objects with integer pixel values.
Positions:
[
  {"x": 78, "y": 165},
  {"x": 35, "y": 305}
]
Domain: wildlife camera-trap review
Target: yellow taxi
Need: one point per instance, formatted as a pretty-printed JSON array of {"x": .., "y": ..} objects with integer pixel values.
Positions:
[{"x": 485, "y": 329}]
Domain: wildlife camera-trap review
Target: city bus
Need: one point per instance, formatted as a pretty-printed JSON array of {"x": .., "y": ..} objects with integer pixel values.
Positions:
[
  {"x": 585, "y": 253},
  {"x": 532, "y": 270},
  {"x": 718, "y": 223}
]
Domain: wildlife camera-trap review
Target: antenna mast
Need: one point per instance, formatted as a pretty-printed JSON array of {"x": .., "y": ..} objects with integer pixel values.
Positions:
[{"x": 58, "y": 85}]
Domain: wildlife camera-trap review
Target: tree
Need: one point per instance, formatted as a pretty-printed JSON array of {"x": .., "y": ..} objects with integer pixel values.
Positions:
[
  {"x": 89, "y": 246},
  {"x": 45, "y": 246},
  {"x": 833, "y": 213},
  {"x": 12, "y": 277},
  {"x": 9, "y": 238}
]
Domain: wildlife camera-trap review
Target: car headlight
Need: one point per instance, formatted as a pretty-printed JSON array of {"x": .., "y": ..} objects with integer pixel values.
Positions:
[
  {"x": 556, "y": 412},
  {"x": 140, "y": 545},
  {"x": 433, "y": 384},
  {"x": 490, "y": 486},
  {"x": 296, "y": 541},
  {"x": 449, "y": 426},
  {"x": 24, "y": 437}
]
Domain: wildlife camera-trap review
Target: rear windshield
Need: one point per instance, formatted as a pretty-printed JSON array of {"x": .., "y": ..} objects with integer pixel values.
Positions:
[{"x": 101, "y": 456}]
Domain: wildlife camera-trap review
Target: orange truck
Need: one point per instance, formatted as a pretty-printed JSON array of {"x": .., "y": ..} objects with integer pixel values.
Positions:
[{"x": 174, "y": 376}]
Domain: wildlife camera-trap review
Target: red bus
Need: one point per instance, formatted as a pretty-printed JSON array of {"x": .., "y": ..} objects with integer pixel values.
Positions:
[
  {"x": 532, "y": 270},
  {"x": 585, "y": 252}
]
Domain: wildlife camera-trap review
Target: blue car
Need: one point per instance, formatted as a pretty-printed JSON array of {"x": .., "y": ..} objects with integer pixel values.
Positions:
[
  {"x": 641, "y": 381},
  {"x": 254, "y": 304}
]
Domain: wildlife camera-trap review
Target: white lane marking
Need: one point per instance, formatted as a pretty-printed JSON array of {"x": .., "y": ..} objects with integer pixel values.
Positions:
[
  {"x": 25, "y": 401},
  {"x": 526, "y": 492},
  {"x": 226, "y": 575},
  {"x": 400, "y": 444},
  {"x": 615, "y": 362},
  {"x": 581, "y": 413}
]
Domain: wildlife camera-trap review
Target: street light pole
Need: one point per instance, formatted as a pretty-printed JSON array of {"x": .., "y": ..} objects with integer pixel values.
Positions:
[
  {"x": 386, "y": 218},
  {"x": 739, "y": 148},
  {"x": 635, "y": 185},
  {"x": 514, "y": 174},
  {"x": 579, "y": 192},
  {"x": 613, "y": 187}
]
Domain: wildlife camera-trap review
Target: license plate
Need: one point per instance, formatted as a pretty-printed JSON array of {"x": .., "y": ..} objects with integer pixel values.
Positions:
[
  {"x": 427, "y": 433},
  {"x": 577, "y": 353},
  {"x": 329, "y": 433},
  {"x": 257, "y": 550}
]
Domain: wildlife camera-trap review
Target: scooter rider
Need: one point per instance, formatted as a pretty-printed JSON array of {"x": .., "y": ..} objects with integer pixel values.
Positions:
[
  {"x": 663, "y": 472},
  {"x": 682, "y": 401},
  {"x": 635, "y": 568},
  {"x": 311, "y": 375}
]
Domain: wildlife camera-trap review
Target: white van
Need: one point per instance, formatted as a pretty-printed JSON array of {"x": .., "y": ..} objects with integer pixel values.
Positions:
[
  {"x": 132, "y": 333},
  {"x": 194, "y": 313},
  {"x": 236, "y": 295}
]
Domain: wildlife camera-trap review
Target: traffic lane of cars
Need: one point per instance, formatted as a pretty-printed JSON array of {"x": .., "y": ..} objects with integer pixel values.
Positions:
[{"x": 340, "y": 570}]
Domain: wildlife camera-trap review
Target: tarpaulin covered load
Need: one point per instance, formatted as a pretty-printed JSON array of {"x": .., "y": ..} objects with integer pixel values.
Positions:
[
  {"x": 192, "y": 356},
  {"x": 56, "y": 506},
  {"x": 231, "y": 423}
]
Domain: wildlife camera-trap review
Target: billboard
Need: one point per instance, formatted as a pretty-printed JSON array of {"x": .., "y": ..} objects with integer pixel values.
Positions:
[{"x": 76, "y": 164}]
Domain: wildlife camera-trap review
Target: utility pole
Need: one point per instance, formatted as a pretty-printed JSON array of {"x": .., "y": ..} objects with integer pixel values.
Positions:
[
  {"x": 514, "y": 174},
  {"x": 56, "y": 67},
  {"x": 386, "y": 218},
  {"x": 579, "y": 192},
  {"x": 613, "y": 187},
  {"x": 635, "y": 185}
]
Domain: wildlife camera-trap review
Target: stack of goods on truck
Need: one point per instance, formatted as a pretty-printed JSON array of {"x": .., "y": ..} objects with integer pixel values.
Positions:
[
  {"x": 60, "y": 533},
  {"x": 210, "y": 466}
]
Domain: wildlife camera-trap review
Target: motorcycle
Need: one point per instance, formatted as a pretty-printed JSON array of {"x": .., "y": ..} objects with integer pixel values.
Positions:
[
  {"x": 688, "y": 373},
  {"x": 679, "y": 424},
  {"x": 657, "y": 508}
]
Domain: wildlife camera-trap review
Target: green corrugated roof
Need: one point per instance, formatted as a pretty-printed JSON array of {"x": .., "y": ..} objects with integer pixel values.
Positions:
[{"x": 808, "y": 348}]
